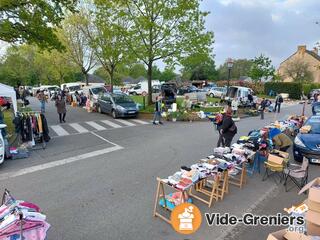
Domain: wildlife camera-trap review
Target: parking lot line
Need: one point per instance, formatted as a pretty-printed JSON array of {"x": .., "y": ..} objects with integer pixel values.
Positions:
[
  {"x": 78, "y": 128},
  {"x": 96, "y": 126},
  {"x": 111, "y": 124},
  {"x": 125, "y": 122},
  {"x": 59, "y": 130},
  {"x": 140, "y": 121}
]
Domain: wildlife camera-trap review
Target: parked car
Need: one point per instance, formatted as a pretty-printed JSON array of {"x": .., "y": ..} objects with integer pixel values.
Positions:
[
  {"x": 169, "y": 93},
  {"x": 71, "y": 87},
  {"x": 94, "y": 92},
  {"x": 142, "y": 87},
  {"x": 316, "y": 108},
  {"x": 308, "y": 144},
  {"x": 118, "y": 105},
  {"x": 217, "y": 92},
  {"x": 241, "y": 93},
  {"x": 188, "y": 89}
]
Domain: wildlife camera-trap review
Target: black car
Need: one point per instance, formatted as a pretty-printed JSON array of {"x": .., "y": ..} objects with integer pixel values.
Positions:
[
  {"x": 308, "y": 144},
  {"x": 117, "y": 104},
  {"x": 188, "y": 89}
]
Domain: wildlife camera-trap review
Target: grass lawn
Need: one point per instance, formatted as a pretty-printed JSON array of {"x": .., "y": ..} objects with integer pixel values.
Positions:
[{"x": 150, "y": 108}]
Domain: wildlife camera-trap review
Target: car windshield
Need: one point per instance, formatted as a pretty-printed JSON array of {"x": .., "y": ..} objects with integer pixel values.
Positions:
[
  {"x": 315, "y": 125},
  {"x": 122, "y": 99},
  {"x": 74, "y": 88},
  {"x": 97, "y": 91}
]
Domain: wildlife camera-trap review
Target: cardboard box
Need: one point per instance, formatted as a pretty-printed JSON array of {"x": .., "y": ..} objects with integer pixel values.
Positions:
[
  {"x": 279, "y": 235},
  {"x": 313, "y": 223},
  {"x": 282, "y": 154},
  {"x": 296, "y": 236},
  {"x": 275, "y": 159},
  {"x": 314, "y": 194}
]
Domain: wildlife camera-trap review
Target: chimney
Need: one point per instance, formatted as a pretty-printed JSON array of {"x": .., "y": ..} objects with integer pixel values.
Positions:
[
  {"x": 315, "y": 50},
  {"x": 302, "y": 49}
]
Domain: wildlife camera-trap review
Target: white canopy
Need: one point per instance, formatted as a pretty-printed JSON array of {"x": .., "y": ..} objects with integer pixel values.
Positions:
[{"x": 7, "y": 91}]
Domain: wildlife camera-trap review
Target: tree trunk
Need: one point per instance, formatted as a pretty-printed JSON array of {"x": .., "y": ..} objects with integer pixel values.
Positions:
[
  {"x": 87, "y": 78},
  {"x": 111, "y": 79},
  {"x": 150, "y": 82}
]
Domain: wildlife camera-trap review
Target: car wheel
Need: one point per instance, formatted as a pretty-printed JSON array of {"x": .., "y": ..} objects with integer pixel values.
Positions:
[
  {"x": 211, "y": 95},
  {"x": 134, "y": 93},
  {"x": 114, "y": 114},
  {"x": 99, "y": 109}
]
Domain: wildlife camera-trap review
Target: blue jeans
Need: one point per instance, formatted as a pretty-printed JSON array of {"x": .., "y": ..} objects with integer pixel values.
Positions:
[
  {"x": 43, "y": 106},
  {"x": 157, "y": 116}
]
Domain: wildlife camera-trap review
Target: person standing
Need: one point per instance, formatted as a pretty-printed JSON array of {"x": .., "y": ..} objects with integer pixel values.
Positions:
[
  {"x": 228, "y": 128},
  {"x": 43, "y": 99},
  {"x": 234, "y": 106},
  {"x": 263, "y": 107},
  {"x": 157, "y": 113},
  {"x": 279, "y": 101},
  {"x": 61, "y": 108},
  {"x": 218, "y": 122}
]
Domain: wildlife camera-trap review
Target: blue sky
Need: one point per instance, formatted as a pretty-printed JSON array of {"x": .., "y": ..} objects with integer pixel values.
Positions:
[{"x": 247, "y": 28}]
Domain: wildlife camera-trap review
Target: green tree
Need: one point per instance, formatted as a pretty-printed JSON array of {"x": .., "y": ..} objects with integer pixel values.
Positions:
[
  {"x": 298, "y": 71},
  {"x": 156, "y": 72},
  {"x": 78, "y": 46},
  {"x": 137, "y": 70},
  {"x": 167, "y": 75},
  {"x": 241, "y": 67},
  {"x": 107, "y": 38},
  {"x": 261, "y": 68},
  {"x": 163, "y": 29},
  {"x": 33, "y": 21}
]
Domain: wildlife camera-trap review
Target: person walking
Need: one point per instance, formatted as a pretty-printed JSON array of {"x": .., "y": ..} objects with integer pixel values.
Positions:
[
  {"x": 228, "y": 128},
  {"x": 61, "y": 108},
  {"x": 157, "y": 113},
  {"x": 279, "y": 101},
  {"x": 263, "y": 107},
  {"x": 43, "y": 99}
]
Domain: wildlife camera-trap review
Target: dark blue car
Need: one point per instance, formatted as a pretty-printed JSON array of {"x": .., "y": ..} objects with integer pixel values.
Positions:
[
  {"x": 308, "y": 145},
  {"x": 316, "y": 108}
]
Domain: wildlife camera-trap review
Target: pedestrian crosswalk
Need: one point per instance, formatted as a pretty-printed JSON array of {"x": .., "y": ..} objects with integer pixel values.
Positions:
[{"x": 90, "y": 126}]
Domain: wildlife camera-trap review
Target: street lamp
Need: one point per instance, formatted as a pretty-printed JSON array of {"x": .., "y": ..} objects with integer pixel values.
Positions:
[
  {"x": 230, "y": 65},
  {"x": 304, "y": 100}
]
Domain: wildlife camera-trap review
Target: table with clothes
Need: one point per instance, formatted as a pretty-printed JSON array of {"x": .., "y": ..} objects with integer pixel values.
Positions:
[{"x": 209, "y": 176}]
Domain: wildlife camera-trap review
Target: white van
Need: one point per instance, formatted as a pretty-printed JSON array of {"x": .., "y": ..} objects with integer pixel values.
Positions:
[
  {"x": 71, "y": 87},
  {"x": 142, "y": 87},
  {"x": 94, "y": 92},
  {"x": 241, "y": 93}
]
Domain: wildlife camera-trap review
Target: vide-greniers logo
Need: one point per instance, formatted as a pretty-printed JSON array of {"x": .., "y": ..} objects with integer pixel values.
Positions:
[{"x": 186, "y": 218}]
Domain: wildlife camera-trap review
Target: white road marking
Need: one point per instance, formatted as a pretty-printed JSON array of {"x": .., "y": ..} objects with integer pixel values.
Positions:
[
  {"x": 111, "y": 124},
  {"x": 59, "y": 130},
  {"x": 96, "y": 126},
  {"x": 140, "y": 121},
  {"x": 125, "y": 122},
  {"x": 79, "y": 128},
  {"x": 102, "y": 138},
  {"x": 65, "y": 161}
]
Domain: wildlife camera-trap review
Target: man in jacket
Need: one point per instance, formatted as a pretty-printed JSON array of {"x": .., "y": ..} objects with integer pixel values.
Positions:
[
  {"x": 263, "y": 107},
  {"x": 282, "y": 142},
  {"x": 278, "y": 102},
  {"x": 157, "y": 113},
  {"x": 228, "y": 128}
]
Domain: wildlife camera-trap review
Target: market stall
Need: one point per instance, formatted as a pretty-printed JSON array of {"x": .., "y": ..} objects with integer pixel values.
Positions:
[{"x": 9, "y": 92}]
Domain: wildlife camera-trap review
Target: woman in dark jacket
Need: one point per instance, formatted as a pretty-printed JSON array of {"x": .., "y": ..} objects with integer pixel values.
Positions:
[
  {"x": 61, "y": 108},
  {"x": 228, "y": 128}
]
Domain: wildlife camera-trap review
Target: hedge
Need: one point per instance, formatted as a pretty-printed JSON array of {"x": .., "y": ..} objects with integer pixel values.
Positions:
[
  {"x": 308, "y": 87},
  {"x": 293, "y": 89}
]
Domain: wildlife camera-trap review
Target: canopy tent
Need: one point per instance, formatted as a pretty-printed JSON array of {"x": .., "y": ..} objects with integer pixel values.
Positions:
[{"x": 7, "y": 91}]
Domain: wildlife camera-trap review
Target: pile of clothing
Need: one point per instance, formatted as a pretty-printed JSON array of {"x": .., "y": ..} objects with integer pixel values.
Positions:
[{"x": 21, "y": 220}]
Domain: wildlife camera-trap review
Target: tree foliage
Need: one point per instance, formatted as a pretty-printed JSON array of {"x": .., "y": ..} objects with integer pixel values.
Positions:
[
  {"x": 298, "y": 71},
  {"x": 33, "y": 21},
  {"x": 199, "y": 66},
  {"x": 261, "y": 68},
  {"x": 241, "y": 67},
  {"x": 163, "y": 29},
  {"x": 78, "y": 46}
]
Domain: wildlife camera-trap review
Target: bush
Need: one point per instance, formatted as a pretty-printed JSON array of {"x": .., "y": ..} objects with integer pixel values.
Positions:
[{"x": 293, "y": 89}]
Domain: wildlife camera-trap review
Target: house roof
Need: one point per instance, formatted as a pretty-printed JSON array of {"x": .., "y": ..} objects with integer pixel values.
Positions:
[
  {"x": 313, "y": 54},
  {"x": 94, "y": 79}
]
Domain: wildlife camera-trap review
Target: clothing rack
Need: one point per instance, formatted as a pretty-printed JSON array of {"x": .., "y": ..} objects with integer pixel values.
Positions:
[{"x": 39, "y": 138}]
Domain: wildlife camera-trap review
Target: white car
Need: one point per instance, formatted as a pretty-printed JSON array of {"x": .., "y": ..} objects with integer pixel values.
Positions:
[{"x": 217, "y": 92}]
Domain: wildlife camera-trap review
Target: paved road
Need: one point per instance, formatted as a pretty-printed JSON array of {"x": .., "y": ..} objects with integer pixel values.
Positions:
[{"x": 101, "y": 184}]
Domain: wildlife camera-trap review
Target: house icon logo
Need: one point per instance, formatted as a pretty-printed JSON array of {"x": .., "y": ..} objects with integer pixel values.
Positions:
[{"x": 186, "y": 218}]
